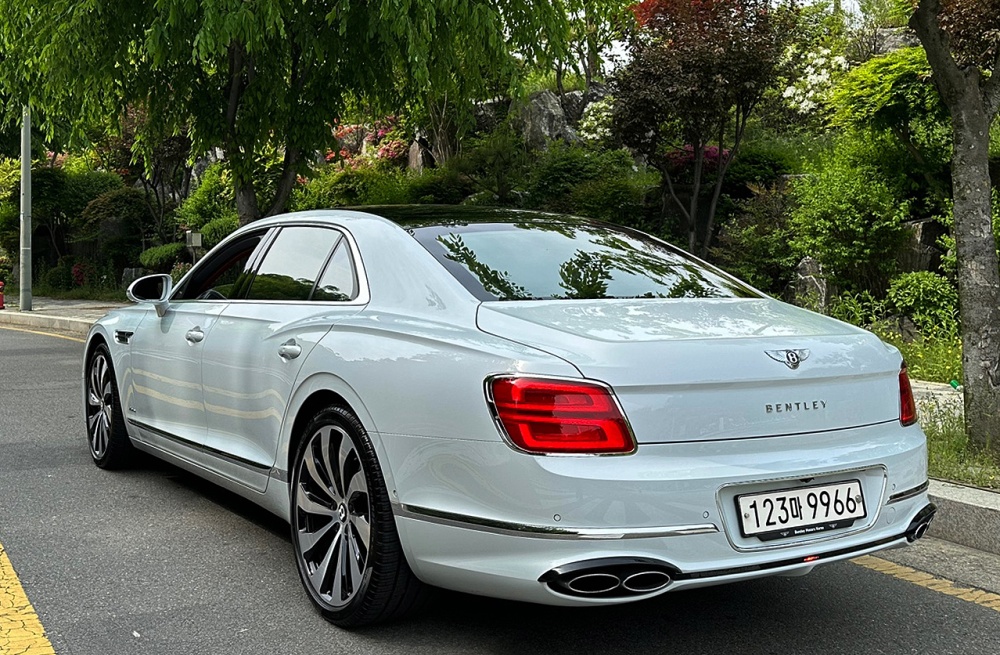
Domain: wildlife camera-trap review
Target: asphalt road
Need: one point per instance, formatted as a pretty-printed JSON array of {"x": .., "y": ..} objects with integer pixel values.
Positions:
[{"x": 155, "y": 561}]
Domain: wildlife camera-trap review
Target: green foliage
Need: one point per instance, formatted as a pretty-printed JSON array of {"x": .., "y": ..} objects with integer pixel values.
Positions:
[
  {"x": 6, "y": 267},
  {"x": 252, "y": 76},
  {"x": 929, "y": 299},
  {"x": 161, "y": 259},
  {"x": 117, "y": 224},
  {"x": 497, "y": 162},
  {"x": 10, "y": 178},
  {"x": 218, "y": 229},
  {"x": 934, "y": 355},
  {"x": 848, "y": 219},
  {"x": 886, "y": 13},
  {"x": 570, "y": 179},
  {"x": 755, "y": 244},
  {"x": 179, "y": 270},
  {"x": 439, "y": 186},
  {"x": 334, "y": 186},
  {"x": 211, "y": 200},
  {"x": 950, "y": 455},
  {"x": 890, "y": 92},
  {"x": 10, "y": 227}
]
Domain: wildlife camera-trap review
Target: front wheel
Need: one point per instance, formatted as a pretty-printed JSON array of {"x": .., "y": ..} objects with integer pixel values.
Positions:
[
  {"x": 110, "y": 446},
  {"x": 345, "y": 540}
]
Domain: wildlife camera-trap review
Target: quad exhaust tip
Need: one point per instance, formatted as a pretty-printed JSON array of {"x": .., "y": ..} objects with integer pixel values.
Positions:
[{"x": 615, "y": 577}]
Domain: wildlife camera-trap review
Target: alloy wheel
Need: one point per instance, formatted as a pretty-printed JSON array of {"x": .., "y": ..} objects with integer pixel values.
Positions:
[
  {"x": 332, "y": 516},
  {"x": 100, "y": 404}
]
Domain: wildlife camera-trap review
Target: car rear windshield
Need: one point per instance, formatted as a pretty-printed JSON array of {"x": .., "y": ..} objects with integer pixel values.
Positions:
[{"x": 543, "y": 260}]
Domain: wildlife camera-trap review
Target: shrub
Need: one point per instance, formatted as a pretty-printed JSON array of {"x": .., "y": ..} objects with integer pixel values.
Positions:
[
  {"x": 211, "y": 200},
  {"x": 755, "y": 244},
  {"x": 218, "y": 229},
  {"x": 162, "y": 258},
  {"x": 117, "y": 223},
  {"x": 848, "y": 219},
  {"x": 6, "y": 267},
  {"x": 334, "y": 186},
  {"x": 563, "y": 167},
  {"x": 179, "y": 270},
  {"x": 927, "y": 298},
  {"x": 439, "y": 186},
  {"x": 10, "y": 227}
]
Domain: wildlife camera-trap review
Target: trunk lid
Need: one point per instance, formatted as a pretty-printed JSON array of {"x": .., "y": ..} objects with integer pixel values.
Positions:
[{"x": 710, "y": 369}]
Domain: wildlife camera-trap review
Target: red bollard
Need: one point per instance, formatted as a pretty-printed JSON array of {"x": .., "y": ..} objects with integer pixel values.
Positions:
[{"x": 1, "y": 295}]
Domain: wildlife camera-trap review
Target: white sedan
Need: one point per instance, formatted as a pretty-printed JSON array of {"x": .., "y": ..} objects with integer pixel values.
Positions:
[{"x": 520, "y": 405}]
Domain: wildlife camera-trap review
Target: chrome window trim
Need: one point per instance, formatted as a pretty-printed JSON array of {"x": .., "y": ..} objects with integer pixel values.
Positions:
[
  {"x": 493, "y": 526},
  {"x": 364, "y": 291}
]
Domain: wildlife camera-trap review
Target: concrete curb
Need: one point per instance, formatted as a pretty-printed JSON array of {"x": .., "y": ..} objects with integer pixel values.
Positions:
[
  {"x": 966, "y": 515},
  {"x": 76, "y": 326}
]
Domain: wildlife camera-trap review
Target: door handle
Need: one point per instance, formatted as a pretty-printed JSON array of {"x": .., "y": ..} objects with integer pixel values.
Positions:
[
  {"x": 194, "y": 335},
  {"x": 289, "y": 350}
]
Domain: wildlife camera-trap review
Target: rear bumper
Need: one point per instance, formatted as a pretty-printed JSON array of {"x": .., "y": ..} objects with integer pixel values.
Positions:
[{"x": 480, "y": 518}]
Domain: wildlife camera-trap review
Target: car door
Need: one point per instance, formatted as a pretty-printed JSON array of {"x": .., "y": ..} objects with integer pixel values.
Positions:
[
  {"x": 165, "y": 396},
  {"x": 306, "y": 281}
]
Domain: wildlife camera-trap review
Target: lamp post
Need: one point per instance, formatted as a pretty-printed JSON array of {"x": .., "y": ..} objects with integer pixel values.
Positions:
[{"x": 25, "y": 270}]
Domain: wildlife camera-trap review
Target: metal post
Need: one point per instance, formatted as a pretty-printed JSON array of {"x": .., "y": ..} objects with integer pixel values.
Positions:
[{"x": 25, "y": 271}]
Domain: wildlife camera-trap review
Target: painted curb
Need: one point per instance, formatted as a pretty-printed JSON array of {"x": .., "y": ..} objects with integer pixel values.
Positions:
[
  {"x": 76, "y": 326},
  {"x": 966, "y": 515}
]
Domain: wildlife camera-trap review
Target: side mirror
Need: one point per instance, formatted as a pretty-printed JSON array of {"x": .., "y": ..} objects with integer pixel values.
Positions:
[{"x": 152, "y": 289}]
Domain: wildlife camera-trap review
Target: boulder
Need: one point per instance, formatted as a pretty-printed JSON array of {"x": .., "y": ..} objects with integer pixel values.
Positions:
[
  {"x": 573, "y": 104},
  {"x": 889, "y": 39},
  {"x": 543, "y": 119}
]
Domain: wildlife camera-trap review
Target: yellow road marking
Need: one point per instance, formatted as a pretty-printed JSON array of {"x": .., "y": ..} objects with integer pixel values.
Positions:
[
  {"x": 928, "y": 581},
  {"x": 21, "y": 632},
  {"x": 46, "y": 334}
]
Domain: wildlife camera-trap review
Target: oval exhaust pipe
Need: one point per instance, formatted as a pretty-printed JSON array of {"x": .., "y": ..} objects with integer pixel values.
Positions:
[
  {"x": 646, "y": 582},
  {"x": 594, "y": 583},
  {"x": 919, "y": 532}
]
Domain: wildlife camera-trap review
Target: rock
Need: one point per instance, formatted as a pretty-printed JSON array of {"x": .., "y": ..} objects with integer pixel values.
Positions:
[
  {"x": 573, "y": 104},
  {"x": 597, "y": 91},
  {"x": 811, "y": 288},
  {"x": 543, "y": 120},
  {"x": 420, "y": 156},
  {"x": 488, "y": 114},
  {"x": 889, "y": 39}
]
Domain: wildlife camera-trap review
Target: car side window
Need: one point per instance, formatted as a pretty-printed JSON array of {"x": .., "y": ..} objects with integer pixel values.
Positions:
[
  {"x": 339, "y": 282},
  {"x": 225, "y": 276},
  {"x": 292, "y": 264}
]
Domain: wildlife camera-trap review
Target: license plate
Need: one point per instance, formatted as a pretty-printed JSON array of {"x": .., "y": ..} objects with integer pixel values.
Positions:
[{"x": 802, "y": 511}]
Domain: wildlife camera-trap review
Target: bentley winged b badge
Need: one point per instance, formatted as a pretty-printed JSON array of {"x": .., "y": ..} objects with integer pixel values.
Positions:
[{"x": 790, "y": 358}]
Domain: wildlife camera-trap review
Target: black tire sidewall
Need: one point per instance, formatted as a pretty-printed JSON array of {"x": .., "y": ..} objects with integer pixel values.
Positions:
[{"x": 378, "y": 503}]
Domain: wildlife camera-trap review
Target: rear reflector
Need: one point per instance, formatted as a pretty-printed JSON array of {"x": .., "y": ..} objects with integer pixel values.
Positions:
[
  {"x": 559, "y": 417},
  {"x": 907, "y": 406}
]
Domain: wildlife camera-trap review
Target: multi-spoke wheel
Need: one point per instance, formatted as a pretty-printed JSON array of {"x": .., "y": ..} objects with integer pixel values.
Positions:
[
  {"x": 109, "y": 442},
  {"x": 345, "y": 540}
]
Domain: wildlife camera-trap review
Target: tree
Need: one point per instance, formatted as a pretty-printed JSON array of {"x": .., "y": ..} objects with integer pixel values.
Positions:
[
  {"x": 894, "y": 93},
  {"x": 698, "y": 71},
  {"x": 963, "y": 48},
  {"x": 248, "y": 75}
]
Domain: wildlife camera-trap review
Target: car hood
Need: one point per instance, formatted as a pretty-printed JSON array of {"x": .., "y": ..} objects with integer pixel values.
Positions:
[{"x": 699, "y": 369}]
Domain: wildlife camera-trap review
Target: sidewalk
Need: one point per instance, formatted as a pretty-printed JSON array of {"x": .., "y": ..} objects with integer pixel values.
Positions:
[{"x": 966, "y": 515}]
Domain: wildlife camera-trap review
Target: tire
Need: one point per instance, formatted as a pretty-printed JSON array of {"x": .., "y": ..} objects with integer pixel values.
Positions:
[
  {"x": 110, "y": 446},
  {"x": 344, "y": 536}
]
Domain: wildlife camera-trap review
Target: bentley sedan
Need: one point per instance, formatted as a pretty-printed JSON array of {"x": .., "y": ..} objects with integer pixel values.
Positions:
[{"x": 521, "y": 405}]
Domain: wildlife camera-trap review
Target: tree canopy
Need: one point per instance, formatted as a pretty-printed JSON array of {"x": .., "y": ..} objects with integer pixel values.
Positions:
[{"x": 247, "y": 75}]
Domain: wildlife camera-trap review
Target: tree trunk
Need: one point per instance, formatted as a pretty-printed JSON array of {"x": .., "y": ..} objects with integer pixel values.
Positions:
[
  {"x": 246, "y": 203},
  {"x": 978, "y": 272}
]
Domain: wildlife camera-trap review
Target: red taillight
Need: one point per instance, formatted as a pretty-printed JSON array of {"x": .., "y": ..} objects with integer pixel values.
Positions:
[
  {"x": 556, "y": 416},
  {"x": 907, "y": 406}
]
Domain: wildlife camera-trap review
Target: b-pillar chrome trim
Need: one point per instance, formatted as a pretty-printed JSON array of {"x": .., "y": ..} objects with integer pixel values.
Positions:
[{"x": 544, "y": 531}]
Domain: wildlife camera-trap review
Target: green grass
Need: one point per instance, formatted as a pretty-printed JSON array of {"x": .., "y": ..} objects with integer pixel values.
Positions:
[
  {"x": 936, "y": 358},
  {"x": 949, "y": 453}
]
